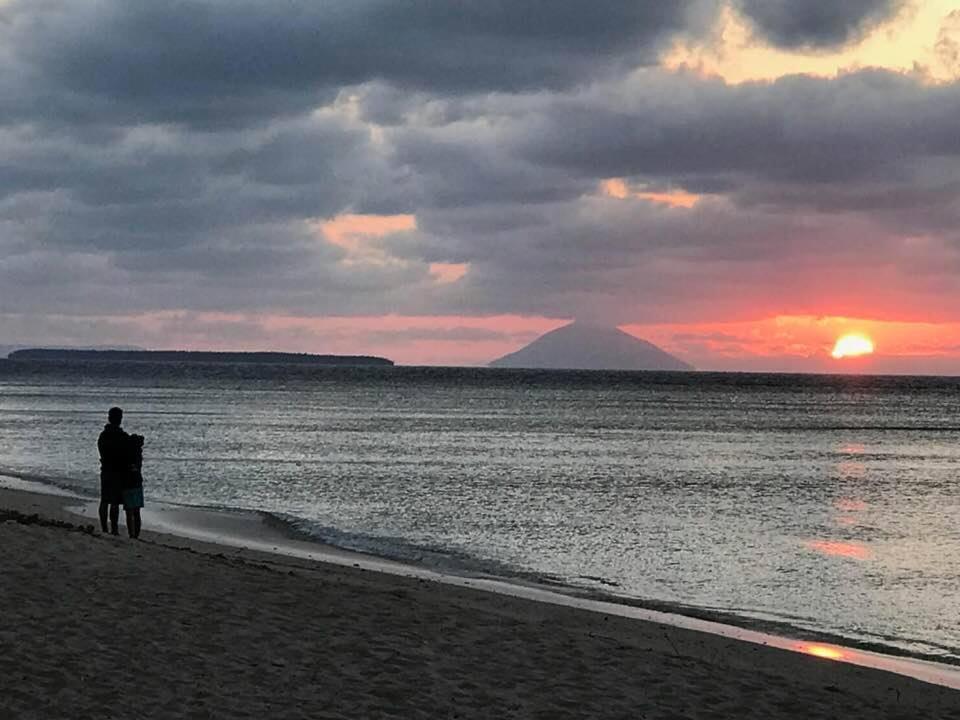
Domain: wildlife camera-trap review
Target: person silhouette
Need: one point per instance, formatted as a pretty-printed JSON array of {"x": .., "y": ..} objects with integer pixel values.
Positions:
[
  {"x": 133, "y": 486},
  {"x": 114, "y": 447}
]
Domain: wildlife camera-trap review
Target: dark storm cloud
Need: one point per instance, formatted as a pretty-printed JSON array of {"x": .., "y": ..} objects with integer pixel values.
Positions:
[
  {"x": 816, "y": 23},
  {"x": 860, "y": 126},
  {"x": 157, "y": 191},
  {"x": 158, "y": 164},
  {"x": 215, "y": 63},
  {"x": 515, "y": 199},
  {"x": 466, "y": 168}
]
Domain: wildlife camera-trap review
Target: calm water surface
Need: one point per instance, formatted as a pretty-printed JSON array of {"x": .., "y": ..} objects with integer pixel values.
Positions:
[{"x": 816, "y": 503}]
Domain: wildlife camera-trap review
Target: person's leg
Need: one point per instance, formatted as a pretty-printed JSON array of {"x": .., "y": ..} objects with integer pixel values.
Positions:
[
  {"x": 103, "y": 515},
  {"x": 137, "y": 522},
  {"x": 114, "y": 519},
  {"x": 131, "y": 523}
]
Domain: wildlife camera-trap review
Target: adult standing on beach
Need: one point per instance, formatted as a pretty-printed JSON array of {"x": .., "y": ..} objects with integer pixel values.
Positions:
[{"x": 114, "y": 447}]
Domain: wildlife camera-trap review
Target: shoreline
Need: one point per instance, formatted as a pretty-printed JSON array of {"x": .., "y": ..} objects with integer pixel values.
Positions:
[
  {"x": 206, "y": 630},
  {"x": 267, "y": 532},
  {"x": 274, "y": 533},
  {"x": 203, "y": 630},
  {"x": 247, "y": 534}
]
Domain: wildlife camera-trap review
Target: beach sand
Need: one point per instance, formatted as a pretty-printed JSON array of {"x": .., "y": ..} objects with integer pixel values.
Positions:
[{"x": 94, "y": 626}]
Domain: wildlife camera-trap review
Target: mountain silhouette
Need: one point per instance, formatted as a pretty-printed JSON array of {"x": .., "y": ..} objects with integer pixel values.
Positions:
[{"x": 582, "y": 346}]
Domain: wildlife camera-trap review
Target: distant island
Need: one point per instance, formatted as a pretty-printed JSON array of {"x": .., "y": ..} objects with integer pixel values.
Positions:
[
  {"x": 5, "y": 350},
  {"x": 582, "y": 346},
  {"x": 195, "y": 356}
]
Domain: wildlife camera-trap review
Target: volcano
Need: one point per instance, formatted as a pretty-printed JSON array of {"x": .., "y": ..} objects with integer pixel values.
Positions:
[{"x": 583, "y": 346}]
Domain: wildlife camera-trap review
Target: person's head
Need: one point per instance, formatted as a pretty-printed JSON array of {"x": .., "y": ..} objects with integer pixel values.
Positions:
[{"x": 115, "y": 416}]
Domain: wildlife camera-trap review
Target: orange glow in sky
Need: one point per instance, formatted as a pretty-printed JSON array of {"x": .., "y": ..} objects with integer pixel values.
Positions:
[
  {"x": 448, "y": 272},
  {"x": 804, "y": 343},
  {"x": 348, "y": 231},
  {"x": 911, "y": 41},
  {"x": 357, "y": 235},
  {"x": 774, "y": 344},
  {"x": 674, "y": 197},
  {"x": 852, "y": 345},
  {"x": 797, "y": 343}
]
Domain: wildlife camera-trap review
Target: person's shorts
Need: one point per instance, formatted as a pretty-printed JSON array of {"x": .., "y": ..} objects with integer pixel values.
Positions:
[
  {"x": 111, "y": 488},
  {"x": 133, "y": 498}
]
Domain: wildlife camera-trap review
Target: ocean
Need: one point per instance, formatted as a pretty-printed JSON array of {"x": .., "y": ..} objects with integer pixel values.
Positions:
[{"x": 811, "y": 506}]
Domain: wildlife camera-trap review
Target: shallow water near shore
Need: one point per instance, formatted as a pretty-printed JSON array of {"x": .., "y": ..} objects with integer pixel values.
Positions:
[
  {"x": 249, "y": 531},
  {"x": 817, "y": 504}
]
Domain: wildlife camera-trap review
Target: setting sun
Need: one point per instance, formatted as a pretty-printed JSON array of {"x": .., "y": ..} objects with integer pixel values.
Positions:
[{"x": 852, "y": 346}]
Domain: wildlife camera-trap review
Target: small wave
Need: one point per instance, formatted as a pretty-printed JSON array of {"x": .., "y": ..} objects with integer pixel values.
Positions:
[
  {"x": 46, "y": 484},
  {"x": 600, "y": 580},
  {"x": 867, "y": 428},
  {"x": 435, "y": 557}
]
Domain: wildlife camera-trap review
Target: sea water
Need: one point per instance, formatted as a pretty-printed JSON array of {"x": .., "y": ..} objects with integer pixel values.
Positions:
[{"x": 823, "y": 505}]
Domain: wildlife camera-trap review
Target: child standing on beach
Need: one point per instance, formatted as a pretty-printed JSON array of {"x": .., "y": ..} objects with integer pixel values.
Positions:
[{"x": 133, "y": 487}]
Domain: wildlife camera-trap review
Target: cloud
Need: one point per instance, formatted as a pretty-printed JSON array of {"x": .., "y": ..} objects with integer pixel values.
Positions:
[
  {"x": 947, "y": 47},
  {"x": 710, "y": 136},
  {"x": 799, "y": 173},
  {"x": 816, "y": 24},
  {"x": 214, "y": 63}
]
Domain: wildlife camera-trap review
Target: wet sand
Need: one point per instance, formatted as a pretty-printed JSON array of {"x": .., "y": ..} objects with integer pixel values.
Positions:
[{"x": 96, "y": 627}]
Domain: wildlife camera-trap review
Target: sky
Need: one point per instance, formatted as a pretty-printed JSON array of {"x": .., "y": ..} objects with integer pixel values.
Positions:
[{"x": 738, "y": 181}]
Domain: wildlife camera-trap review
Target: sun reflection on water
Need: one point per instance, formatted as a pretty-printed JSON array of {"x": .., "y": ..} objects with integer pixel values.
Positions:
[
  {"x": 849, "y": 505},
  {"x": 823, "y": 651},
  {"x": 837, "y": 548}
]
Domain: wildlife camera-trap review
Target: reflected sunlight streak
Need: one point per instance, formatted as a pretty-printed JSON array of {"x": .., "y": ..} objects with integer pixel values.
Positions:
[
  {"x": 822, "y": 651},
  {"x": 836, "y": 548}
]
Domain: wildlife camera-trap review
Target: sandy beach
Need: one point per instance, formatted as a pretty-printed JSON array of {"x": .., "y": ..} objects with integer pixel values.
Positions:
[{"x": 99, "y": 627}]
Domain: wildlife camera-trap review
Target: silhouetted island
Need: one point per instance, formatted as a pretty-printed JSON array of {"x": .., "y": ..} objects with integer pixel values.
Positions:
[
  {"x": 582, "y": 346},
  {"x": 195, "y": 356},
  {"x": 5, "y": 350}
]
